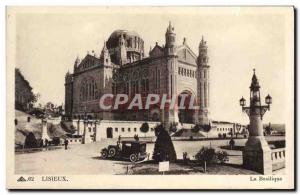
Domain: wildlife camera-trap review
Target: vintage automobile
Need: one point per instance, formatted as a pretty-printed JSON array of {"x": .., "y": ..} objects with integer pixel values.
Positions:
[{"x": 132, "y": 150}]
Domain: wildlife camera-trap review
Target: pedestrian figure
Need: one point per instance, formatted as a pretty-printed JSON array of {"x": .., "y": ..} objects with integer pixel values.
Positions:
[
  {"x": 16, "y": 121},
  {"x": 231, "y": 143},
  {"x": 46, "y": 142},
  {"x": 28, "y": 119},
  {"x": 42, "y": 143},
  {"x": 136, "y": 137},
  {"x": 119, "y": 141},
  {"x": 186, "y": 158},
  {"x": 66, "y": 144}
]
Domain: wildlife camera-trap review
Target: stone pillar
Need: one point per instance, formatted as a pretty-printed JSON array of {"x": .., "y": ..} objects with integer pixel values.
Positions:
[
  {"x": 95, "y": 133},
  {"x": 86, "y": 133},
  {"x": 78, "y": 127},
  {"x": 257, "y": 153},
  {"x": 45, "y": 130},
  {"x": 83, "y": 140}
]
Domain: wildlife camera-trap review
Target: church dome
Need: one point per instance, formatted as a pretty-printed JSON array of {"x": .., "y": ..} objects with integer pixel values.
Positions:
[
  {"x": 129, "y": 37},
  {"x": 130, "y": 42},
  {"x": 118, "y": 33}
]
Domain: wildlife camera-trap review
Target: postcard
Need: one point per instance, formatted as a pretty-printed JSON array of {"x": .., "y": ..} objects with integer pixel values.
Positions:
[{"x": 150, "y": 98}]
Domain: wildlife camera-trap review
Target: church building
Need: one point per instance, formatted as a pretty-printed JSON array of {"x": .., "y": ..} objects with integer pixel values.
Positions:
[{"x": 123, "y": 68}]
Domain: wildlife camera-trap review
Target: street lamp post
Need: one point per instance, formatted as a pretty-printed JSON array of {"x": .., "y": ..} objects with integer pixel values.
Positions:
[
  {"x": 238, "y": 128},
  {"x": 95, "y": 132},
  {"x": 257, "y": 153},
  {"x": 84, "y": 126}
]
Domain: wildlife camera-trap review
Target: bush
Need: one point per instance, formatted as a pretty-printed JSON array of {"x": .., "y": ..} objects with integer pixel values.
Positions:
[
  {"x": 173, "y": 127},
  {"x": 206, "y": 154},
  {"x": 211, "y": 156},
  {"x": 163, "y": 148},
  {"x": 31, "y": 141},
  {"x": 222, "y": 156},
  {"x": 206, "y": 127},
  {"x": 196, "y": 128},
  {"x": 144, "y": 128},
  {"x": 224, "y": 135}
]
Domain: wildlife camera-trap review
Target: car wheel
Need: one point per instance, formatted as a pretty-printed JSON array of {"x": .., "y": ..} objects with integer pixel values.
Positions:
[
  {"x": 104, "y": 154},
  {"x": 112, "y": 152},
  {"x": 133, "y": 157}
]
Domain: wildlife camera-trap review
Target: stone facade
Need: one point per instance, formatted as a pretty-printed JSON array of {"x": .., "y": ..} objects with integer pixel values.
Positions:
[{"x": 122, "y": 68}]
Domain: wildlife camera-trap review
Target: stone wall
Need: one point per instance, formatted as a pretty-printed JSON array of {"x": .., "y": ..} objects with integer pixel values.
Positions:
[{"x": 116, "y": 128}]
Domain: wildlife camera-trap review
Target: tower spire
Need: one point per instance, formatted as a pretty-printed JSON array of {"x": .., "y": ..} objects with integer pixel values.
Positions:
[
  {"x": 77, "y": 62},
  {"x": 170, "y": 40},
  {"x": 105, "y": 56}
]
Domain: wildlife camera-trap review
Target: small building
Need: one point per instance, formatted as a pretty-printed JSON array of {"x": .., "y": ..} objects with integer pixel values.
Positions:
[
  {"x": 106, "y": 129},
  {"x": 225, "y": 128}
]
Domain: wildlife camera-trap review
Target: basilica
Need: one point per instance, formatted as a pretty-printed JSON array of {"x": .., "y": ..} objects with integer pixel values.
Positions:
[{"x": 123, "y": 68}]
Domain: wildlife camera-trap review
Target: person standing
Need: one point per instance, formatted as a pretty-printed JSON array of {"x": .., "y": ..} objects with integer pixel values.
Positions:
[
  {"x": 66, "y": 144},
  {"x": 231, "y": 143}
]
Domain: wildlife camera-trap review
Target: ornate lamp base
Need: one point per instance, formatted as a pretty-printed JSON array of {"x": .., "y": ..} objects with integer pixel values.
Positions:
[{"x": 257, "y": 155}]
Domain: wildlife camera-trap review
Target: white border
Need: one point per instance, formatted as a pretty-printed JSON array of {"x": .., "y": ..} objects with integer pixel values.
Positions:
[{"x": 93, "y": 2}]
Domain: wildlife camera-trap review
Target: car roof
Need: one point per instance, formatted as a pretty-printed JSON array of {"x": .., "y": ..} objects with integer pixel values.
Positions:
[{"x": 130, "y": 141}]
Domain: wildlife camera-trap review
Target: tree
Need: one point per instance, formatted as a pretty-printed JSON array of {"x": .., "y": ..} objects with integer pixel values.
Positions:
[
  {"x": 207, "y": 155},
  {"x": 210, "y": 156},
  {"x": 34, "y": 98},
  {"x": 30, "y": 141},
  {"x": 163, "y": 148},
  {"x": 49, "y": 106},
  {"x": 206, "y": 127},
  {"x": 196, "y": 128},
  {"x": 144, "y": 128},
  {"x": 268, "y": 129},
  {"x": 173, "y": 127}
]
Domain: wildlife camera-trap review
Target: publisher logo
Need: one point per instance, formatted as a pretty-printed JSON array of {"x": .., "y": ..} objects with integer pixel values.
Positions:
[{"x": 21, "y": 179}]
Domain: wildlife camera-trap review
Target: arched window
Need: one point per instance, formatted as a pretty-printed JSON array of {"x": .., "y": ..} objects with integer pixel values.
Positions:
[{"x": 88, "y": 89}]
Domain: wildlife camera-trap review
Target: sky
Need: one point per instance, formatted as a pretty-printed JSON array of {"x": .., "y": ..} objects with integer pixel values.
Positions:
[{"x": 48, "y": 41}]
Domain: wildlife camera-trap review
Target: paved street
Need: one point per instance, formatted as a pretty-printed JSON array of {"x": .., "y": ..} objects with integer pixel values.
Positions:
[{"x": 84, "y": 158}]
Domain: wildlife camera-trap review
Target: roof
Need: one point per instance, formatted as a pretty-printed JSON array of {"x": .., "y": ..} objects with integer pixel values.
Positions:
[
  {"x": 133, "y": 141},
  {"x": 118, "y": 33}
]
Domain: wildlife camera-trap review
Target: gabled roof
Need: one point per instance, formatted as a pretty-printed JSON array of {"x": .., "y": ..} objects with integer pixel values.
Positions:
[
  {"x": 156, "y": 51},
  {"x": 188, "y": 48},
  {"x": 185, "y": 54}
]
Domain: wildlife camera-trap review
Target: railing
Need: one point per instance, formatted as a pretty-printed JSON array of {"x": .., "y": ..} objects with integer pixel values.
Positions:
[{"x": 278, "y": 158}]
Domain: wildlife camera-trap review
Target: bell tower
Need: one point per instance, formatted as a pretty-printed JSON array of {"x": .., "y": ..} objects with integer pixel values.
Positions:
[
  {"x": 170, "y": 40},
  {"x": 203, "y": 83},
  {"x": 106, "y": 70},
  {"x": 171, "y": 114}
]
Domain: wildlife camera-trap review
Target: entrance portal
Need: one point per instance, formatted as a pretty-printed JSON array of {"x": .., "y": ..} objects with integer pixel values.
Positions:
[{"x": 185, "y": 112}]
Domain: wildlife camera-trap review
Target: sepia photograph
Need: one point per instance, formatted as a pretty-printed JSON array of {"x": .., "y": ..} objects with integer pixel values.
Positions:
[{"x": 150, "y": 97}]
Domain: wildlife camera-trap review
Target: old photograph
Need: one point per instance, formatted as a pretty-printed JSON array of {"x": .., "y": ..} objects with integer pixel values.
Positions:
[{"x": 150, "y": 97}]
